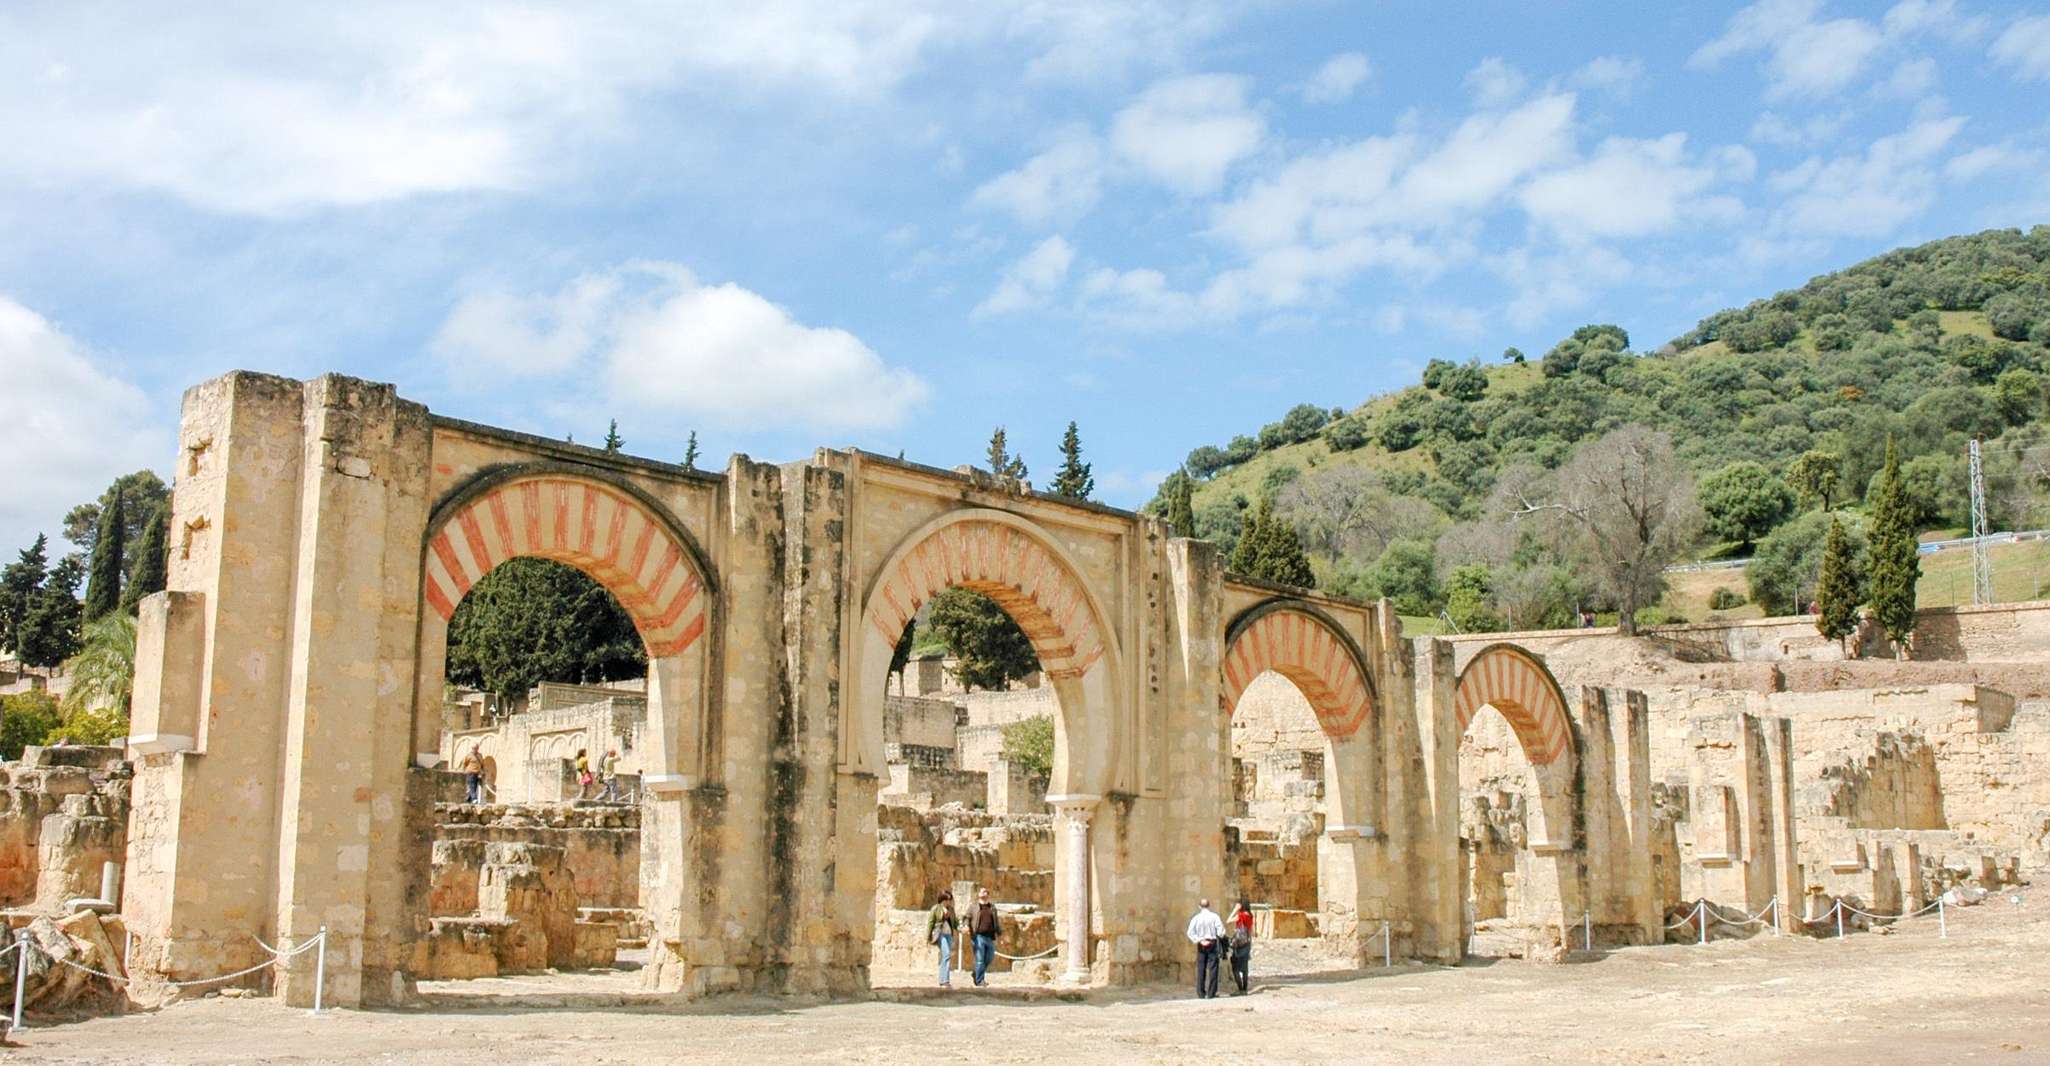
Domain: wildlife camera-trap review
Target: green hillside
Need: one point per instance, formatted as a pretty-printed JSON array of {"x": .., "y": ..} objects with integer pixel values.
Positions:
[{"x": 1929, "y": 346}]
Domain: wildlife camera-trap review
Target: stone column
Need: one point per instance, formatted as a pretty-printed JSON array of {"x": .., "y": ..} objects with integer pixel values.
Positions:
[{"x": 1075, "y": 809}]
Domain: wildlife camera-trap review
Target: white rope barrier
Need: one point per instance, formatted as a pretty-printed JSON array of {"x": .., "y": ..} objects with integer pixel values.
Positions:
[
  {"x": 1838, "y": 908},
  {"x": 278, "y": 958},
  {"x": 1026, "y": 958}
]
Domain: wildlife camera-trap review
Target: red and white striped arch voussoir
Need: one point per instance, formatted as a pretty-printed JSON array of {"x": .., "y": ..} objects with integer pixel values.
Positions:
[
  {"x": 599, "y": 530},
  {"x": 1033, "y": 586},
  {"x": 1303, "y": 649},
  {"x": 1515, "y": 685}
]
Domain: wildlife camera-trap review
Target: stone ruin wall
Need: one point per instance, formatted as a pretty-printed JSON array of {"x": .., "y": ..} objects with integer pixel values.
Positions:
[
  {"x": 520, "y": 888},
  {"x": 920, "y": 854},
  {"x": 63, "y": 816}
]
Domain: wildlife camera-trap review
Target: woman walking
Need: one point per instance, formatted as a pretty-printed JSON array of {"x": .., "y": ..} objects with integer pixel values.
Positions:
[
  {"x": 940, "y": 927},
  {"x": 1241, "y": 926}
]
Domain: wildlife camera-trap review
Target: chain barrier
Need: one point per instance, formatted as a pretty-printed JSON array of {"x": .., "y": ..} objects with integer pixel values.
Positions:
[
  {"x": 1026, "y": 958},
  {"x": 24, "y": 943}
]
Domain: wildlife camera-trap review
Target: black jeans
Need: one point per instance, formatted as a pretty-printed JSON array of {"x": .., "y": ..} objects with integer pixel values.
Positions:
[
  {"x": 1206, "y": 969},
  {"x": 1242, "y": 965}
]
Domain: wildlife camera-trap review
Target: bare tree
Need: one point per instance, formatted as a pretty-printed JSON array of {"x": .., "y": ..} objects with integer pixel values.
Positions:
[
  {"x": 1626, "y": 507},
  {"x": 1348, "y": 511}
]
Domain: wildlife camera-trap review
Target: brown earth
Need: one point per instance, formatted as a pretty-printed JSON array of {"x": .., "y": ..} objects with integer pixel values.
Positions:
[{"x": 1904, "y": 996}]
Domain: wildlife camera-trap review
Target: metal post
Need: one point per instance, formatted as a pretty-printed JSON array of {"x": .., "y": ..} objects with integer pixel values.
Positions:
[
  {"x": 1775, "y": 916},
  {"x": 1701, "y": 921},
  {"x": 320, "y": 969},
  {"x": 20, "y": 974},
  {"x": 1387, "y": 951},
  {"x": 1839, "y": 919},
  {"x": 1942, "y": 925},
  {"x": 1587, "y": 930},
  {"x": 127, "y": 947}
]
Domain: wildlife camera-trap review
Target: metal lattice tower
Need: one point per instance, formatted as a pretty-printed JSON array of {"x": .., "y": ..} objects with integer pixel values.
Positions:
[{"x": 1982, "y": 565}]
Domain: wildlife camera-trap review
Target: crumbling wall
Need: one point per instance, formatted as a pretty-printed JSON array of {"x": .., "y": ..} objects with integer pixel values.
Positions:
[
  {"x": 920, "y": 854},
  {"x": 1271, "y": 871},
  {"x": 601, "y": 846},
  {"x": 63, "y": 816}
]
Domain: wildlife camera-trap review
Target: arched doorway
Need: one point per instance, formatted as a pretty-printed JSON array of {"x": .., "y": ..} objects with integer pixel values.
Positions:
[
  {"x": 1324, "y": 667},
  {"x": 1034, "y": 580},
  {"x": 1518, "y": 831},
  {"x": 626, "y": 542}
]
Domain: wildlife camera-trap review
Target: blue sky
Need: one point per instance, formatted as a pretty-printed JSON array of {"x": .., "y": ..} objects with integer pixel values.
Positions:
[{"x": 896, "y": 225}]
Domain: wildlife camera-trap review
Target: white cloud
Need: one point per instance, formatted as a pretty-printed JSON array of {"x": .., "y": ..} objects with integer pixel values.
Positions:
[
  {"x": 1775, "y": 129},
  {"x": 72, "y": 427},
  {"x": 1063, "y": 182},
  {"x": 1616, "y": 74},
  {"x": 282, "y": 109},
  {"x": 1986, "y": 159},
  {"x": 660, "y": 341},
  {"x": 1186, "y": 132},
  {"x": 1032, "y": 279},
  {"x": 1911, "y": 80},
  {"x": 1870, "y": 193},
  {"x": 2024, "y": 47},
  {"x": 1629, "y": 188},
  {"x": 1338, "y": 78},
  {"x": 526, "y": 335},
  {"x": 1493, "y": 82},
  {"x": 1805, "y": 56}
]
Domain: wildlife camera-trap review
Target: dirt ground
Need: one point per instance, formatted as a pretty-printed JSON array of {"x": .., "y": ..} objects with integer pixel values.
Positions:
[{"x": 1983, "y": 994}]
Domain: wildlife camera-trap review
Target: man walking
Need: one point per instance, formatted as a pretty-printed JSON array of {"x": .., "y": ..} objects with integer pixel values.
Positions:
[
  {"x": 983, "y": 928},
  {"x": 608, "y": 775},
  {"x": 1206, "y": 931}
]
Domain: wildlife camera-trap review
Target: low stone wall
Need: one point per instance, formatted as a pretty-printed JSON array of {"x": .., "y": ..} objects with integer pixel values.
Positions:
[
  {"x": 2002, "y": 632},
  {"x": 921, "y": 854},
  {"x": 601, "y": 848},
  {"x": 923, "y": 788},
  {"x": 63, "y": 816}
]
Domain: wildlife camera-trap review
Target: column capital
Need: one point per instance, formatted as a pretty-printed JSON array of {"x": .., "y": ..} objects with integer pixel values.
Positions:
[{"x": 1075, "y": 804}]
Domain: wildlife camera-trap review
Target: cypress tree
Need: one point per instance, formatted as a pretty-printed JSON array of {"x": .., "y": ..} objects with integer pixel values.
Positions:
[
  {"x": 48, "y": 633},
  {"x": 1073, "y": 480},
  {"x": 103, "y": 589},
  {"x": 1836, "y": 592},
  {"x": 690, "y": 451},
  {"x": 612, "y": 440},
  {"x": 1245, "y": 555},
  {"x": 1895, "y": 564},
  {"x": 1001, "y": 462},
  {"x": 152, "y": 559},
  {"x": 1181, "y": 504},
  {"x": 1281, "y": 556}
]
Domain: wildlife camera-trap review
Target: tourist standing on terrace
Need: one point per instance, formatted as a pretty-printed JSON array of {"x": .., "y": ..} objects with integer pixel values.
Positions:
[
  {"x": 1206, "y": 931},
  {"x": 940, "y": 927},
  {"x": 608, "y": 774},
  {"x": 983, "y": 927},
  {"x": 473, "y": 775}
]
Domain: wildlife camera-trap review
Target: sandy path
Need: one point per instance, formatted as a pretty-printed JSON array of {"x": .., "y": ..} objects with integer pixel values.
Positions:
[{"x": 1982, "y": 994}]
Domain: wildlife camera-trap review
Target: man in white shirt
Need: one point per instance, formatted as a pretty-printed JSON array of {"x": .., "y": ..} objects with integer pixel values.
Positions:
[{"x": 1206, "y": 931}]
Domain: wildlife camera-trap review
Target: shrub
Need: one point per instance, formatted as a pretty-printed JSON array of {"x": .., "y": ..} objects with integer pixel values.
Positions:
[
  {"x": 1029, "y": 743},
  {"x": 1725, "y": 599}
]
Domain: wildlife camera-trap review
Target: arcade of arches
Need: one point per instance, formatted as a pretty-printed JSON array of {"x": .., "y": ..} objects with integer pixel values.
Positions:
[{"x": 287, "y": 702}]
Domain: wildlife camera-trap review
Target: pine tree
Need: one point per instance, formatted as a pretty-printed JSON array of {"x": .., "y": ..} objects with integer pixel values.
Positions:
[
  {"x": 18, "y": 585},
  {"x": 152, "y": 559},
  {"x": 1073, "y": 480},
  {"x": 1181, "y": 504},
  {"x": 103, "y": 590},
  {"x": 1281, "y": 558},
  {"x": 690, "y": 451},
  {"x": 1001, "y": 462},
  {"x": 612, "y": 441},
  {"x": 1895, "y": 565},
  {"x": 1836, "y": 592},
  {"x": 1245, "y": 555}
]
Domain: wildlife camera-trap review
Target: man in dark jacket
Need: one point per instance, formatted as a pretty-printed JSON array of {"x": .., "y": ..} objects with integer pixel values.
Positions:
[{"x": 983, "y": 927}]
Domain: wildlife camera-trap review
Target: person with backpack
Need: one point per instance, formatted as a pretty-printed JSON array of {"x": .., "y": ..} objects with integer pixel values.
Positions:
[
  {"x": 1241, "y": 926},
  {"x": 940, "y": 927}
]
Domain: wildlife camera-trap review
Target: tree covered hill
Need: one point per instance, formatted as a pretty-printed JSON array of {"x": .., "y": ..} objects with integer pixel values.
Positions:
[{"x": 1775, "y": 408}]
